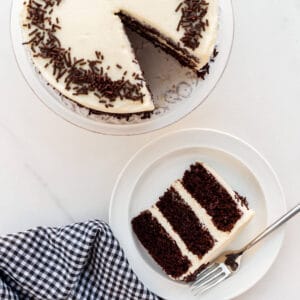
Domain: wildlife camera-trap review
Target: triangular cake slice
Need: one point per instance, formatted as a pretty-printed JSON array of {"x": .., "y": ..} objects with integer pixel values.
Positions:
[
  {"x": 192, "y": 223},
  {"x": 82, "y": 50}
]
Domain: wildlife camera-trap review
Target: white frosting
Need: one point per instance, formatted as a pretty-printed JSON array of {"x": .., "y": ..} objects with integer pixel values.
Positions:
[
  {"x": 222, "y": 238},
  {"x": 90, "y": 25}
]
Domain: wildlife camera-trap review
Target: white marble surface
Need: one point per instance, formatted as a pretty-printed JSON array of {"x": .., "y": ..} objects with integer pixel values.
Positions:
[{"x": 53, "y": 173}]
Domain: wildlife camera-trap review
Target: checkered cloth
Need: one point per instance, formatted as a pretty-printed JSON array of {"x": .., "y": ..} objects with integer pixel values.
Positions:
[{"x": 78, "y": 262}]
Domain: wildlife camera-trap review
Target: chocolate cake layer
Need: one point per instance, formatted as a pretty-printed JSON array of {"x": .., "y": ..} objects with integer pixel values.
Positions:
[
  {"x": 183, "y": 220},
  {"x": 160, "y": 245},
  {"x": 212, "y": 196}
]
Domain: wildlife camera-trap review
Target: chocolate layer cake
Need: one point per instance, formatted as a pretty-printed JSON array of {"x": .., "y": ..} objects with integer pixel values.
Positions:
[
  {"x": 192, "y": 222},
  {"x": 82, "y": 50}
]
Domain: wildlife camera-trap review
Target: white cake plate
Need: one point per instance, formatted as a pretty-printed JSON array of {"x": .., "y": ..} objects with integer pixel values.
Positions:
[{"x": 149, "y": 173}]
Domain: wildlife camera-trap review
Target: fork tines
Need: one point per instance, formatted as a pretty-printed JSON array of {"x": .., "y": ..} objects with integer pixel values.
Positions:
[{"x": 209, "y": 277}]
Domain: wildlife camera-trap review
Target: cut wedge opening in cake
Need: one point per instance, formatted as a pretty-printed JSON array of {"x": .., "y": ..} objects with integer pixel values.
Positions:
[
  {"x": 81, "y": 48},
  {"x": 196, "y": 218},
  {"x": 155, "y": 37}
]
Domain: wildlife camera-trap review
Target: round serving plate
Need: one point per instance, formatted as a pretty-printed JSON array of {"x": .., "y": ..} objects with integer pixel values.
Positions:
[
  {"x": 177, "y": 91},
  {"x": 151, "y": 171}
]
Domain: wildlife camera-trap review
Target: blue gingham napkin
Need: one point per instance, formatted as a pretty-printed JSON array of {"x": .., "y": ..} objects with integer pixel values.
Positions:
[{"x": 82, "y": 261}]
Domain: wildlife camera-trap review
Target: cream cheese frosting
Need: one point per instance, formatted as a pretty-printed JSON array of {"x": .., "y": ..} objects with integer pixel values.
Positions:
[{"x": 90, "y": 26}]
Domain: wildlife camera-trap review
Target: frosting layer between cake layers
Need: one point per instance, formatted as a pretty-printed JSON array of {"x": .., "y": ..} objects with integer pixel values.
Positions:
[
  {"x": 81, "y": 48},
  {"x": 199, "y": 214}
]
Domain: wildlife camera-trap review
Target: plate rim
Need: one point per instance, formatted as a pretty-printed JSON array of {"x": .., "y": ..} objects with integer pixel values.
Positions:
[
  {"x": 281, "y": 232},
  {"x": 107, "y": 128}
]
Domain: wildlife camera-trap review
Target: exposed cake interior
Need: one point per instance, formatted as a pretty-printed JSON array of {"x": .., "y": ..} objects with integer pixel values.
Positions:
[
  {"x": 199, "y": 214},
  {"x": 160, "y": 245},
  {"x": 212, "y": 196},
  {"x": 185, "y": 222},
  {"x": 155, "y": 37}
]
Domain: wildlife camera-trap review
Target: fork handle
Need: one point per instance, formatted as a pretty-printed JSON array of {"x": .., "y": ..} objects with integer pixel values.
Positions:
[{"x": 291, "y": 213}]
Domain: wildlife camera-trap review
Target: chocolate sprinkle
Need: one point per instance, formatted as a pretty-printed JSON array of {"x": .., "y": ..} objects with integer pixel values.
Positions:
[
  {"x": 193, "y": 21},
  {"x": 242, "y": 200},
  {"x": 204, "y": 71}
]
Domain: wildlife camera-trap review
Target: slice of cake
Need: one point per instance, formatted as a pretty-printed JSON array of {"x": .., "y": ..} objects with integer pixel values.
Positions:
[
  {"x": 192, "y": 222},
  {"x": 81, "y": 48}
]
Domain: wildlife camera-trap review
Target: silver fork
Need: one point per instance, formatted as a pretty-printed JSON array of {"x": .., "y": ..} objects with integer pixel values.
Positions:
[{"x": 228, "y": 263}]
